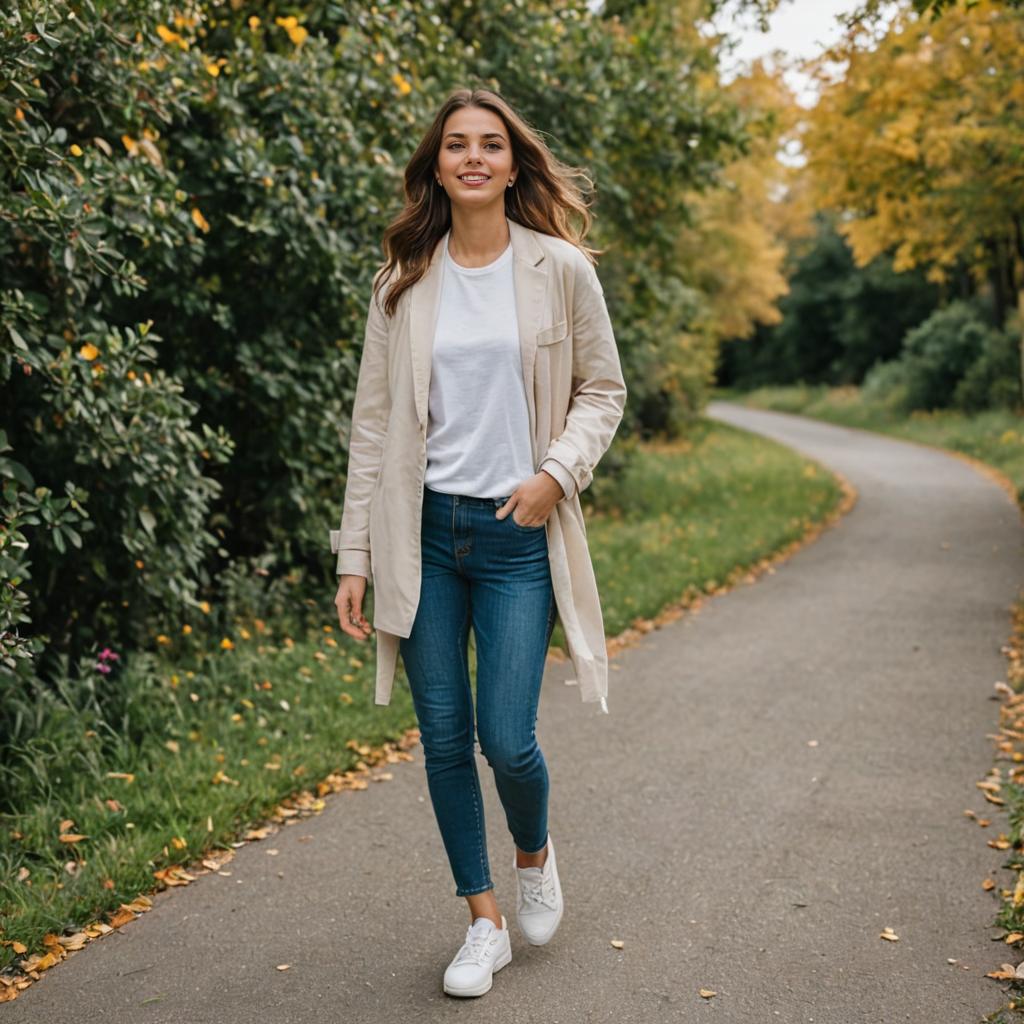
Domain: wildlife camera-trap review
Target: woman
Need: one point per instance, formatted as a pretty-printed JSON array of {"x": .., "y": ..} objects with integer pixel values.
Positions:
[{"x": 487, "y": 344}]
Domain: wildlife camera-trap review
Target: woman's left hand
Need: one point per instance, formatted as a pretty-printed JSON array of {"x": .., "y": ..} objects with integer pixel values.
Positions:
[{"x": 535, "y": 498}]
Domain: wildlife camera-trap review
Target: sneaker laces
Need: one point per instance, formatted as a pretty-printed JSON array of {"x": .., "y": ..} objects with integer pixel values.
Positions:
[
  {"x": 537, "y": 890},
  {"x": 477, "y": 941}
]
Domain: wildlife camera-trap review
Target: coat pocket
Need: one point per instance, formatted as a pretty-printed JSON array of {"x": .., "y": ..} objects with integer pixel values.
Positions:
[{"x": 556, "y": 332}]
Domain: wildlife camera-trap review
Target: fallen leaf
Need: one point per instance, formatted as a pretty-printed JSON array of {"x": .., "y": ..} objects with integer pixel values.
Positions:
[
  {"x": 888, "y": 934},
  {"x": 1006, "y": 972},
  {"x": 283, "y": 967},
  {"x": 618, "y": 943},
  {"x": 707, "y": 993}
]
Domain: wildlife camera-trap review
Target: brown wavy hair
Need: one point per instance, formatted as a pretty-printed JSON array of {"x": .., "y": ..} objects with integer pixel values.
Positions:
[{"x": 543, "y": 196}]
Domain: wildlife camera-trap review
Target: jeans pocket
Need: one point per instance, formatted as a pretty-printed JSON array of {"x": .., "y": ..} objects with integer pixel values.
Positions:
[{"x": 524, "y": 529}]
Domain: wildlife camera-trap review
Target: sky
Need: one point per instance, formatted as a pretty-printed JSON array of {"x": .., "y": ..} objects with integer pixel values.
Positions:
[{"x": 802, "y": 28}]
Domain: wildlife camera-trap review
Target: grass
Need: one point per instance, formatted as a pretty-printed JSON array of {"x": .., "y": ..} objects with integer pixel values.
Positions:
[{"x": 204, "y": 744}]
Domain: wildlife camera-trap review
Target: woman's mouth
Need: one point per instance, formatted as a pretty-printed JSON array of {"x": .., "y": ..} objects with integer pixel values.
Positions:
[{"x": 474, "y": 179}]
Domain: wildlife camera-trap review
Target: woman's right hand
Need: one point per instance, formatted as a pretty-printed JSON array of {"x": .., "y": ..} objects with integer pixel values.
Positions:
[{"x": 349, "y": 602}]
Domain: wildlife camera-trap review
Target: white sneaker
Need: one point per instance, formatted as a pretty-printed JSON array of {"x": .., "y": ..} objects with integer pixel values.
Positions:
[
  {"x": 487, "y": 949},
  {"x": 539, "y": 906}
]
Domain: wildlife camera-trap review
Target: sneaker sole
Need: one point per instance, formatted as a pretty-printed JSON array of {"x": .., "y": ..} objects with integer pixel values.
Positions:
[{"x": 485, "y": 987}]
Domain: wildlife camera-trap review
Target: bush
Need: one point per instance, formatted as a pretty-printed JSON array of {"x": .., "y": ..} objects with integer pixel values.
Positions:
[
  {"x": 885, "y": 384},
  {"x": 938, "y": 353},
  {"x": 992, "y": 381}
]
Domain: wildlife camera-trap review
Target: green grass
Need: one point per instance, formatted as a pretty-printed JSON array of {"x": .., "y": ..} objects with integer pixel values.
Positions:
[
  {"x": 995, "y": 437},
  {"x": 215, "y": 740}
]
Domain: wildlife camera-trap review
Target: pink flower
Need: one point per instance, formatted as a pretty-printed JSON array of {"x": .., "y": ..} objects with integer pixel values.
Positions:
[
  {"x": 108, "y": 655},
  {"x": 103, "y": 667}
]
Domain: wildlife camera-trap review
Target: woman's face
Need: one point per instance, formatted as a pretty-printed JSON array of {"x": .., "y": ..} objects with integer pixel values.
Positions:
[{"x": 475, "y": 141}]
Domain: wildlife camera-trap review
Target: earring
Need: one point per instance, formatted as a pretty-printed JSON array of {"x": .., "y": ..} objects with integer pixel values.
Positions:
[{"x": 510, "y": 180}]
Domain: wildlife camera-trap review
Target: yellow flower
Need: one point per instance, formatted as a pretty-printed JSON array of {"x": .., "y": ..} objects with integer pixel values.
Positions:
[
  {"x": 244, "y": 634},
  {"x": 254, "y": 22},
  {"x": 139, "y": 564},
  {"x": 186, "y": 629},
  {"x": 175, "y": 680},
  {"x": 171, "y": 37},
  {"x": 205, "y": 606},
  {"x": 130, "y": 375},
  {"x": 19, "y": 114},
  {"x": 378, "y": 57},
  {"x": 89, "y": 351},
  {"x": 199, "y": 220},
  {"x": 404, "y": 88},
  {"x": 228, "y": 644},
  {"x": 129, "y": 143},
  {"x": 76, "y": 149},
  {"x": 296, "y": 33},
  {"x": 162, "y": 638},
  {"x": 212, "y": 69}
]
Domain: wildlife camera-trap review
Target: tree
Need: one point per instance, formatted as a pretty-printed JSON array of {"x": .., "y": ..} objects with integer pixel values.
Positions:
[{"x": 918, "y": 144}]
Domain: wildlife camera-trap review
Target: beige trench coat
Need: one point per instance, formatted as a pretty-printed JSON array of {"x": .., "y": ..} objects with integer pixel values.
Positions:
[{"x": 575, "y": 397}]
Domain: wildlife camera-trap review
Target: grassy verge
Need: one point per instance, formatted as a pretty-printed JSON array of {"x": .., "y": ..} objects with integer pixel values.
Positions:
[
  {"x": 995, "y": 437},
  {"x": 206, "y": 745}
]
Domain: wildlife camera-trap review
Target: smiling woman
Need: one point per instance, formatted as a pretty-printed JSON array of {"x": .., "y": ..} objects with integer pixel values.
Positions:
[{"x": 489, "y": 388}]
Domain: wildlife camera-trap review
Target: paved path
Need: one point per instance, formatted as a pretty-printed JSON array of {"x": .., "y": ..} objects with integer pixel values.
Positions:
[{"x": 695, "y": 822}]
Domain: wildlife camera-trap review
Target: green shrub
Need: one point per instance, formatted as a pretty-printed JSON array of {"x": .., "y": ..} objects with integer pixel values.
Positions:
[
  {"x": 937, "y": 354},
  {"x": 885, "y": 384},
  {"x": 992, "y": 381}
]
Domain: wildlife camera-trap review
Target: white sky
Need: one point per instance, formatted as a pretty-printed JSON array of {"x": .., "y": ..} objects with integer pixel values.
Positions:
[{"x": 801, "y": 28}]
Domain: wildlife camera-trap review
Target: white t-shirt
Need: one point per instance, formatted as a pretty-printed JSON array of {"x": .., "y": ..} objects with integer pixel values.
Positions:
[{"x": 478, "y": 430}]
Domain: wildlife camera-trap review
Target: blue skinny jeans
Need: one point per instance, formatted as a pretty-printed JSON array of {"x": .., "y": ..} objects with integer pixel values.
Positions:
[{"x": 492, "y": 574}]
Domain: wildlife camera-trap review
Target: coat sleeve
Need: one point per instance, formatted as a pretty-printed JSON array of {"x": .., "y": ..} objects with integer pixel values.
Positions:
[
  {"x": 598, "y": 389},
  {"x": 370, "y": 412}
]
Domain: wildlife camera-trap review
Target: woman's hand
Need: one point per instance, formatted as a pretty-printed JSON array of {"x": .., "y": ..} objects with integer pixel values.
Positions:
[
  {"x": 535, "y": 498},
  {"x": 349, "y": 602}
]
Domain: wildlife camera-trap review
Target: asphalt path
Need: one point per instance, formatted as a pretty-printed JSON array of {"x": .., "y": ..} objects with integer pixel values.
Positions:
[{"x": 782, "y": 775}]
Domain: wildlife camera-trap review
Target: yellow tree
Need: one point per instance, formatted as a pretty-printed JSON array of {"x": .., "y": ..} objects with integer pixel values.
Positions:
[
  {"x": 735, "y": 245},
  {"x": 917, "y": 141}
]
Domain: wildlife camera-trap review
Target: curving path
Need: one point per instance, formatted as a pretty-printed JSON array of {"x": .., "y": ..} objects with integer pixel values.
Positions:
[{"x": 695, "y": 822}]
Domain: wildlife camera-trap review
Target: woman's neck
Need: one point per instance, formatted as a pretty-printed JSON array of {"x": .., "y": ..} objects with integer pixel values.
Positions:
[{"x": 476, "y": 240}]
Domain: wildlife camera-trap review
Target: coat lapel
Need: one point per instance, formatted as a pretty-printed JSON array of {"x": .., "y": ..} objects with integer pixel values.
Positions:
[{"x": 530, "y": 281}]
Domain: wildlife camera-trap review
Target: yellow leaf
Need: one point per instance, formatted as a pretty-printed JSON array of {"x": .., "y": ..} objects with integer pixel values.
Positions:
[
  {"x": 707, "y": 993},
  {"x": 199, "y": 220}
]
